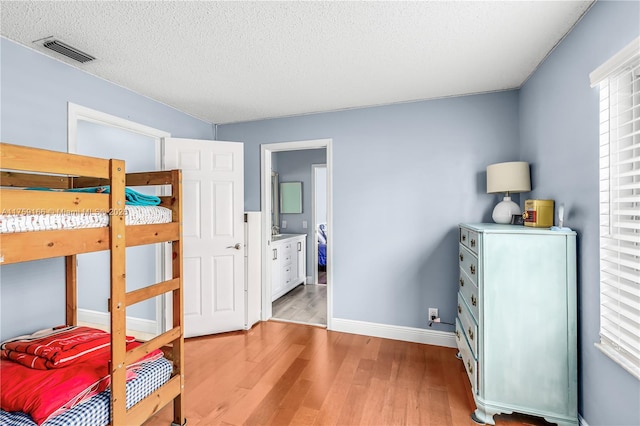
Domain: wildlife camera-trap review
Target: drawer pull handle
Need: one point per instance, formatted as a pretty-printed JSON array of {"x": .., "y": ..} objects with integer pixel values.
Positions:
[
  {"x": 461, "y": 282},
  {"x": 458, "y": 334},
  {"x": 473, "y": 243},
  {"x": 464, "y": 238},
  {"x": 474, "y": 301},
  {"x": 470, "y": 367},
  {"x": 472, "y": 268},
  {"x": 470, "y": 334},
  {"x": 461, "y": 257},
  {"x": 275, "y": 254},
  {"x": 299, "y": 246},
  {"x": 459, "y": 309}
]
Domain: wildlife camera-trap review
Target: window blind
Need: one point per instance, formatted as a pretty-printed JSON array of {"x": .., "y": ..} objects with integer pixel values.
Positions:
[{"x": 620, "y": 209}]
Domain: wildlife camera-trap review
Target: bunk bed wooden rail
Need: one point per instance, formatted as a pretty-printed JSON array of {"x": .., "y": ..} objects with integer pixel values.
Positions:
[{"x": 32, "y": 167}]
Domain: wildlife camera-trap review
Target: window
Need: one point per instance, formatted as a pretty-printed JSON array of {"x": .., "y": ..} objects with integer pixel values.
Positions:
[{"x": 619, "y": 82}]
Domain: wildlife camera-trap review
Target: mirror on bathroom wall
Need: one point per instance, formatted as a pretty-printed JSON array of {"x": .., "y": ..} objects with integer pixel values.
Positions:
[{"x": 291, "y": 197}]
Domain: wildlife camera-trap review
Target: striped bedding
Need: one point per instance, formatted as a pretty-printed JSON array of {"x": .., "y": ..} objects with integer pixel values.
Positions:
[
  {"x": 95, "y": 411},
  {"x": 48, "y": 221}
]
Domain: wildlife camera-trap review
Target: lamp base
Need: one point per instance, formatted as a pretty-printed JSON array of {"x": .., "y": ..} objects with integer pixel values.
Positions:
[{"x": 504, "y": 210}]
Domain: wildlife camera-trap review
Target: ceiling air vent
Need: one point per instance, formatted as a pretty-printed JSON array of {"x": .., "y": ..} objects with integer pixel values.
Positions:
[{"x": 68, "y": 51}]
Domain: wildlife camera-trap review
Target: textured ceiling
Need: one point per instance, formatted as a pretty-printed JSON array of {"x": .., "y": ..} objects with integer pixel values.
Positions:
[{"x": 239, "y": 61}]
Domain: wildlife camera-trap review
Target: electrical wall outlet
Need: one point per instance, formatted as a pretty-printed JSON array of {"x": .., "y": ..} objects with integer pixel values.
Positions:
[
  {"x": 433, "y": 314},
  {"x": 284, "y": 224}
]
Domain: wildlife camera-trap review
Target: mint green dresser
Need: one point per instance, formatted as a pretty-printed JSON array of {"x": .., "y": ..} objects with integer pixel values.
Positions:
[{"x": 516, "y": 325}]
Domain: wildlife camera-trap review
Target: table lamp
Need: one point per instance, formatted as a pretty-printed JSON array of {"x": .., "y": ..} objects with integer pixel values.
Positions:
[{"x": 507, "y": 178}]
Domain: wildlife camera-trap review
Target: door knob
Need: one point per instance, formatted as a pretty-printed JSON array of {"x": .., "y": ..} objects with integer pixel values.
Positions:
[{"x": 237, "y": 246}]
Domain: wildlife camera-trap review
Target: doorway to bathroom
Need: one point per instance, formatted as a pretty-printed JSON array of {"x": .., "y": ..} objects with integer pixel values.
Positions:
[{"x": 291, "y": 265}]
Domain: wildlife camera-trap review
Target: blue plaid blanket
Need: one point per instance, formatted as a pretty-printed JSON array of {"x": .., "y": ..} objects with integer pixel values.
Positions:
[{"x": 95, "y": 411}]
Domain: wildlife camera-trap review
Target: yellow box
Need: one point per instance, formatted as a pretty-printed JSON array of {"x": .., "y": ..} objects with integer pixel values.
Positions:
[{"x": 538, "y": 213}]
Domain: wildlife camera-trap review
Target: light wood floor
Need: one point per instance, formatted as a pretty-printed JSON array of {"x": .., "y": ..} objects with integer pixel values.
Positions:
[
  {"x": 291, "y": 374},
  {"x": 305, "y": 303}
]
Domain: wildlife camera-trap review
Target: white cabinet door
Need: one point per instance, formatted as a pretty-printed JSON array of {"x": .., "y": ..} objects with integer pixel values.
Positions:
[
  {"x": 301, "y": 259},
  {"x": 276, "y": 269},
  {"x": 212, "y": 231}
]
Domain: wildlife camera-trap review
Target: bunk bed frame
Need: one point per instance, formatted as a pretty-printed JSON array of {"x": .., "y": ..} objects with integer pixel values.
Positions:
[{"x": 32, "y": 167}]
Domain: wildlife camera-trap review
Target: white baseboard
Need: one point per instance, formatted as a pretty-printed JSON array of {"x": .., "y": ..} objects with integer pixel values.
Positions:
[
  {"x": 407, "y": 334},
  {"x": 581, "y": 421},
  {"x": 102, "y": 318}
]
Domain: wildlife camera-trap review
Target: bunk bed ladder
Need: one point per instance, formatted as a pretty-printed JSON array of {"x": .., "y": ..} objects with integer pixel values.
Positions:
[
  {"x": 174, "y": 388},
  {"x": 117, "y": 305}
]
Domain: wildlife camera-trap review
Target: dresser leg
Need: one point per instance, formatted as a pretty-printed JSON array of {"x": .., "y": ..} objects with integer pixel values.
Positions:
[{"x": 482, "y": 418}]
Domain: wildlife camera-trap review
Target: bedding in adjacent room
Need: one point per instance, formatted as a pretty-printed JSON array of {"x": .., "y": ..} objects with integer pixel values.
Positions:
[{"x": 322, "y": 244}]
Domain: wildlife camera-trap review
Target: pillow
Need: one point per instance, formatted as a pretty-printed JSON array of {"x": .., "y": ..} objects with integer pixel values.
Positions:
[{"x": 322, "y": 233}]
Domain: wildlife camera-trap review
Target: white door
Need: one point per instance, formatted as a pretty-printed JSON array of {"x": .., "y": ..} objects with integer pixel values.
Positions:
[{"x": 213, "y": 233}]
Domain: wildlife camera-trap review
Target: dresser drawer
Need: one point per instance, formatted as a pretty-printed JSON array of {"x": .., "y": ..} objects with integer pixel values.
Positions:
[
  {"x": 287, "y": 248},
  {"x": 469, "y": 293},
  {"x": 470, "y": 364},
  {"x": 464, "y": 236},
  {"x": 468, "y": 325},
  {"x": 469, "y": 239},
  {"x": 473, "y": 241},
  {"x": 287, "y": 276},
  {"x": 468, "y": 263}
]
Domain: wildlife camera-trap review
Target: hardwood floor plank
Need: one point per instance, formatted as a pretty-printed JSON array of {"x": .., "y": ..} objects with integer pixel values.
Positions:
[
  {"x": 323, "y": 370},
  {"x": 378, "y": 400},
  {"x": 304, "y": 416},
  {"x": 272, "y": 356},
  {"x": 353, "y": 406},
  {"x": 337, "y": 395},
  {"x": 290, "y": 404},
  {"x": 271, "y": 404},
  {"x": 238, "y": 414},
  {"x": 384, "y": 359},
  {"x": 290, "y": 374}
]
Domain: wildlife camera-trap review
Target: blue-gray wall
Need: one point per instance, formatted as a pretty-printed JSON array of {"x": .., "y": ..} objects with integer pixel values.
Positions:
[
  {"x": 404, "y": 176},
  {"x": 559, "y": 137},
  {"x": 34, "y": 91}
]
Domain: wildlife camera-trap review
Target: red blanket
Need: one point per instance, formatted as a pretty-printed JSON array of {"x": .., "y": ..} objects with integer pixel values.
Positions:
[
  {"x": 46, "y": 393},
  {"x": 57, "y": 347}
]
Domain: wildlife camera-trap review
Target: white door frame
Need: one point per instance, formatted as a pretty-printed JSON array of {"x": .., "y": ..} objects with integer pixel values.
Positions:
[
  {"x": 265, "y": 194},
  {"x": 76, "y": 113},
  {"x": 314, "y": 220}
]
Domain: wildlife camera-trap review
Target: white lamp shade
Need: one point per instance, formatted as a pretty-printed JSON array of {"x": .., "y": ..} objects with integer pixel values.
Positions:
[{"x": 508, "y": 177}]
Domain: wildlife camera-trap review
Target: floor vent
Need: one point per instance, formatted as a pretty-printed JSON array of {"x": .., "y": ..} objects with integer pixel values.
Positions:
[{"x": 68, "y": 51}]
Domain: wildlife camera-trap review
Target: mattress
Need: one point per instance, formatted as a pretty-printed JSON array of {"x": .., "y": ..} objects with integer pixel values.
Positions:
[
  {"x": 134, "y": 215},
  {"x": 95, "y": 411}
]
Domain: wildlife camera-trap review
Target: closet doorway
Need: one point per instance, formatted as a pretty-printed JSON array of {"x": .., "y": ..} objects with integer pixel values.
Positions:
[
  {"x": 98, "y": 134},
  {"x": 286, "y": 159}
]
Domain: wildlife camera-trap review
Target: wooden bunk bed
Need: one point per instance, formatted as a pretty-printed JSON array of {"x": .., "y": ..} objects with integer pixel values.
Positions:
[{"x": 31, "y": 167}]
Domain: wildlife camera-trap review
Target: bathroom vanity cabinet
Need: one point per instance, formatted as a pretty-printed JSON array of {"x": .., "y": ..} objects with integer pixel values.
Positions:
[{"x": 289, "y": 263}]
